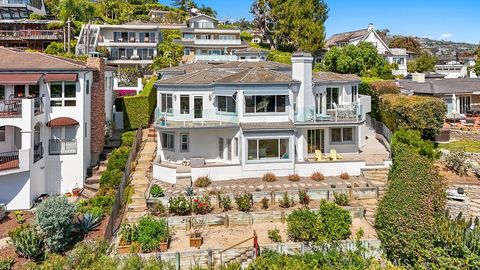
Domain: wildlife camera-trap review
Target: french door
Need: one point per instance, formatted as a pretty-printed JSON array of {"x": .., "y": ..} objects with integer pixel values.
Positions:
[{"x": 315, "y": 140}]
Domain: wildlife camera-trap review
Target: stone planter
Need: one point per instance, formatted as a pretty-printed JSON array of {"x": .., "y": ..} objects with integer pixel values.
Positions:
[{"x": 196, "y": 242}]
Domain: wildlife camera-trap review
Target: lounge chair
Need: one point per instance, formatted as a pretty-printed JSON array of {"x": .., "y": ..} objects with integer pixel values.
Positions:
[
  {"x": 334, "y": 155},
  {"x": 318, "y": 155}
]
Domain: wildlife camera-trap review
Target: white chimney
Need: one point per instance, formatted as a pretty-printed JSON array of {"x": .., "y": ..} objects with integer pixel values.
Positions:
[
  {"x": 370, "y": 26},
  {"x": 418, "y": 77},
  {"x": 302, "y": 71}
]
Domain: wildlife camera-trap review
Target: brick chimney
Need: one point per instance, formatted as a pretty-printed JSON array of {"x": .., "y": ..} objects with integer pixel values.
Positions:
[{"x": 97, "y": 105}]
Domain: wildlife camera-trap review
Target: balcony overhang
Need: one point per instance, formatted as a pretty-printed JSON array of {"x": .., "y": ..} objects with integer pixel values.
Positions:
[
  {"x": 59, "y": 77},
  {"x": 20, "y": 78},
  {"x": 62, "y": 122}
]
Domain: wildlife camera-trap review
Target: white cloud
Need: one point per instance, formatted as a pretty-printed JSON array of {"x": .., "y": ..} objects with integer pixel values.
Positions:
[{"x": 446, "y": 36}]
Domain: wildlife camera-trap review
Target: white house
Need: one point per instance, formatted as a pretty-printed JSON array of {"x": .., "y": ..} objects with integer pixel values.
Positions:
[
  {"x": 392, "y": 55},
  {"x": 455, "y": 69},
  {"x": 235, "y": 121},
  {"x": 47, "y": 136},
  {"x": 203, "y": 41}
]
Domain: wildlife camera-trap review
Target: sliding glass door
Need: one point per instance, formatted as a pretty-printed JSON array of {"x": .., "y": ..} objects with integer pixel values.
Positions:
[{"x": 315, "y": 140}]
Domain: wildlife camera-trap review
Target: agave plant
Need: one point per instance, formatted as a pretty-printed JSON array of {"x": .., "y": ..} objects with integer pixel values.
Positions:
[{"x": 88, "y": 222}]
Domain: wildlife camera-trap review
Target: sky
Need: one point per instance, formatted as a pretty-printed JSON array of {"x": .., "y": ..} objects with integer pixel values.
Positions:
[{"x": 456, "y": 20}]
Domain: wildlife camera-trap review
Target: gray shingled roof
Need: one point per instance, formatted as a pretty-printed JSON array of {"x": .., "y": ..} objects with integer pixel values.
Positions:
[
  {"x": 257, "y": 75},
  {"x": 251, "y": 50},
  {"x": 206, "y": 76},
  {"x": 260, "y": 64},
  {"x": 345, "y": 37},
  {"x": 442, "y": 86},
  {"x": 332, "y": 76},
  {"x": 267, "y": 125}
]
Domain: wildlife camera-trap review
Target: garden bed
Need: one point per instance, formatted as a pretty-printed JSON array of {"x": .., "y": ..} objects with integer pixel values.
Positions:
[{"x": 9, "y": 222}]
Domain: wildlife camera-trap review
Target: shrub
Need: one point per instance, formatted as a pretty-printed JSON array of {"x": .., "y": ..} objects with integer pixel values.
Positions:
[
  {"x": 225, "y": 202},
  {"x": 244, "y": 202},
  {"x": 303, "y": 197},
  {"x": 118, "y": 158},
  {"x": 128, "y": 137},
  {"x": 457, "y": 161},
  {"x": 93, "y": 210},
  {"x": 413, "y": 139},
  {"x": 203, "y": 181},
  {"x": 269, "y": 177},
  {"x": 425, "y": 114},
  {"x": 344, "y": 176},
  {"x": 202, "y": 205},
  {"x": 405, "y": 218},
  {"x": 286, "y": 201},
  {"x": 179, "y": 205},
  {"x": 88, "y": 222},
  {"x": 274, "y": 235},
  {"x": 335, "y": 221},
  {"x": 341, "y": 199},
  {"x": 87, "y": 254},
  {"x": 303, "y": 225},
  {"x": 128, "y": 234},
  {"x": 280, "y": 57},
  {"x": 111, "y": 178},
  {"x": 317, "y": 176},
  {"x": 19, "y": 217},
  {"x": 151, "y": 233},
  {"x": 27, "y": 242},
  {"x": 159, "y": 209},
  {"x": 54, "y": 218},
  {"x": 138, "y": 109},
  {"x": 6, "y": 263},
  {"x": 264, "y": 203},
  {"x": 156, "y": 191},
  {"x": 294, "y": 177},
  {"x": 104, "y": 202}
]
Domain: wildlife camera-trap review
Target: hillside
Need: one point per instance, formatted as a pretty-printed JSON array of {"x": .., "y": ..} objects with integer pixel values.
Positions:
[{"x": 445, "y": 48}]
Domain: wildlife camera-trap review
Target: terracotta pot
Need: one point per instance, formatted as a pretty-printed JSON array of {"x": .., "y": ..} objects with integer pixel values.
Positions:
[
  {"x": 196, "y": 242},
  {"x": 164, "y": 246},
  {"x": 76, "y": 192},
  {"x": 124, "y": 249},
  {"x": 68, "y": 194}
]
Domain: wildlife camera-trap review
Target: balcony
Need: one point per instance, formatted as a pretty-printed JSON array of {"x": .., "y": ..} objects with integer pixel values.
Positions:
[
  {"x": 195, "y": 119},
  {"x": 215, "y": 57},
  {"x": 62, "y": 147},
  {"x": 13, "y": 108},
  {"x": 31, "y": 35},
  {"x": 218, "y": 42},
  {"x": 9, "y": 160},
  {"x": 351, "y": 113}
]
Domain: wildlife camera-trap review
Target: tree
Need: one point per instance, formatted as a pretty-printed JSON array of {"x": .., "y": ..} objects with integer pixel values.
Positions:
[
  {"x": 424, "y": 63},
  {"x": 70, "y": 10},
  {"x": 169, "y": 53},
  {"x": 181, "y": 4},
  {"x": 476, "y": 68},
  {"x": 263, "y": 20},
  {"x": 207, "y": 10},
  {"x": 409, "y": 43},
  {"x": 362, "y": 60}
]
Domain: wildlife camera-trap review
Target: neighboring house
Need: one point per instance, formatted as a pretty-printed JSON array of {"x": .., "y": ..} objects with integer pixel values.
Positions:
[
  {"x": 203, "y": 41},
  {"x": 456, "y": 69},
  {"x": 129, "y": 45},
  {"x": 461, "y": 95},
  {"x": 258, "y": 37},
  {"x": 243, "y": 119},
  {"x": 21, "y": 9},
  {"x": 154, "y": 14},
  {"x": 392, "y": 55},
  {"x": 251, "y": 54},
  {"x": 25, "y": 33},
  {"x": 52, "y": 123}
]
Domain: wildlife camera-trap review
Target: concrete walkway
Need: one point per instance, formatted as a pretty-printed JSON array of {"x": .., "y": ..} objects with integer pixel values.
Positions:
[{"x": 140, "y": 179}]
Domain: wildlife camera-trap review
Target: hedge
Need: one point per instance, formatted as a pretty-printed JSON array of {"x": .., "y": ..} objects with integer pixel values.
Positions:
[
  {"x": 406, "y": 216},
  {"x": 138, "y": 109},
  {"x": 425, "y": 114},
  {"x": 375, "y": 87}
]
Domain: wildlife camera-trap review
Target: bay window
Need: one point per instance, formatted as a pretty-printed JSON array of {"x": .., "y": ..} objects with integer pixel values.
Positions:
[
  {"x": 342, "y": 135},
  {"x": 265, "y": 104},
  {"x": 166, "y": 103},
  {"x": 226, "y": 104},
  {"x": 268, "y": 149}
]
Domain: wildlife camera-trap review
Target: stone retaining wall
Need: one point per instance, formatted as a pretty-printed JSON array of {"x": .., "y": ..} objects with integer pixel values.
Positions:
[{"x": 470, "y": 208}]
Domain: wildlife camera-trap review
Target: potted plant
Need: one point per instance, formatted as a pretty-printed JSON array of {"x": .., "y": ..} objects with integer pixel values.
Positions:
[
  {"x": 128, "y": 236},
  {"x": 196, "y": 236},
  {"x": 76, "y": 192},
  {"x": 163, "y": 121}
]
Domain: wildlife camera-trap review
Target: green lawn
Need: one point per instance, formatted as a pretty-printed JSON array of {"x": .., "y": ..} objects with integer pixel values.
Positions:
[{"x": 467, "y": 145}]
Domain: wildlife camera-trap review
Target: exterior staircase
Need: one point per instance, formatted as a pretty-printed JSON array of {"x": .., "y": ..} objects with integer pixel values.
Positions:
[{"x": 377, "y": 178}]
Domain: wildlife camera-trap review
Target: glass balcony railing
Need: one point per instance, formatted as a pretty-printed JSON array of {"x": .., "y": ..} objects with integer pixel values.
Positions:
[
  {"x": 339, "y": 113},
  {"x": 195, "y": 118}
]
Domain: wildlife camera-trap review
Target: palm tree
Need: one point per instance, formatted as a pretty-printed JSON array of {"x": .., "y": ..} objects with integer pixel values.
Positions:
[
  {"x": 69, "y": 10},
  {"x": 208, "y": 11}
]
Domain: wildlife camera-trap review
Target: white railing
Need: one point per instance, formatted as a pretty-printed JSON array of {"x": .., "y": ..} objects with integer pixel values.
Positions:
[
  {"x": 218, "y": 41},
  {"x": 213, "y": 57}
]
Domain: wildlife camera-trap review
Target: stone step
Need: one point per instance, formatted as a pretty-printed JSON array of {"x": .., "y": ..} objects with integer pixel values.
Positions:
[
  {"x": 93, "y": 187},
  {"x": 137, "y": 207},
  {"x": 133, "y": 217},
  {"x": 87, "y": 194},
  {"x": 93, "y": 179}
]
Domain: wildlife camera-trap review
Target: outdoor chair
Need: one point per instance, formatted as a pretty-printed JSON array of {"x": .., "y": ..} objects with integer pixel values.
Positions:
[
  {"x": 318, "y": 155},
  {"x": 334, "y": 155}
]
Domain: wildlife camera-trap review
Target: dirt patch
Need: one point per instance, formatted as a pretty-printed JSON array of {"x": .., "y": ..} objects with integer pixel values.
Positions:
[
  {"x": 99, "y": 232},
  {"x": 9, "y": 222},
  {"x": 9, "y": 252},
  {"x": 453, "y": 178}
]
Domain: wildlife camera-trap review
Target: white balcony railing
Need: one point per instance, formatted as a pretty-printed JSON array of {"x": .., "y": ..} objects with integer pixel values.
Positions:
[
  {"x": 218, "y": 41},
  {"x": 214, "y": 57}
]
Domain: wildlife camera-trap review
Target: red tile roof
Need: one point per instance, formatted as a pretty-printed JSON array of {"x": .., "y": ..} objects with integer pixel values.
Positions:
[
  {"x": 19, "y": 78},
  {"x": 62, "y": 122}
]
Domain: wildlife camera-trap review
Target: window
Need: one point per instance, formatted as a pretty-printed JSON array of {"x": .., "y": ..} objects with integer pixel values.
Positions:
[
  {"x": 188, "y": 36},
  {"x": 186, "y": 51},
  {"x": 87, "y": 86},
  {"x": 269, "y": 104},
  {"x": 268, "y": 149},
  {"x": 33, "y": 90},
  {"x": 341, "y": 135},
  {"x": 235, "y": 147},
  {"x": 184, "y": 104},
  {"x": 19, "y": 91},
  {"x": 168, "y": 141},
  {"x": 63, "y": 94},
  {"x": 332, "y": 97},
  {"x": 62, "y": 141},
  {"x": 229, "y": 149},
  {"x": 2, "y": 92},
  {"x": 220, "y": 148},
  {"x": 2, "y": 134},
  {"x": 167, "y": 103},
  {"x": 226, "y": 104},
  {"x": 354, "y": 93},
  {"x": 184, "y": 142}
]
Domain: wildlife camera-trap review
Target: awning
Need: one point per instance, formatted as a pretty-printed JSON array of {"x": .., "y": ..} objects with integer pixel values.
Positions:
[
  {"x": 19, "y": 78},
  {"x": 59, "y": 77},
  {"x": 271, "y": 92},
  {"x": 226, "y": 92},
  {"x": 62, "y": 122}
]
